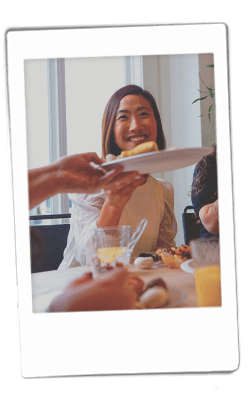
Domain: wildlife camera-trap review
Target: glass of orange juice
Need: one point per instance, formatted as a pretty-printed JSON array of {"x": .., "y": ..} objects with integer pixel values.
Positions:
[
  {"x": 111, "y": 243},
  {"x": 206, "y": 262}
]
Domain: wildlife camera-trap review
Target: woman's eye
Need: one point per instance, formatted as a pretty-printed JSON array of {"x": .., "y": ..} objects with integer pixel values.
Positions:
[{"x": 122, "y": 117}]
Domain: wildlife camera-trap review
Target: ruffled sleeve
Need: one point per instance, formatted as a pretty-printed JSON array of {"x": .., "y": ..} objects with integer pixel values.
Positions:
[
  {"x": 85, "y": 213},
  {"x": 168, "y": 226}
]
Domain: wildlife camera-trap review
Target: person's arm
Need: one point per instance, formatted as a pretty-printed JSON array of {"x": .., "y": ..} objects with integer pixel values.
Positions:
[
  {"x": 108, "y": 293},
  {"x": 43, "y": 184},
  {"x": 209, "y": 216},
  {"x": 71, "y": 174},
  {"x": 118, "y": 197}
]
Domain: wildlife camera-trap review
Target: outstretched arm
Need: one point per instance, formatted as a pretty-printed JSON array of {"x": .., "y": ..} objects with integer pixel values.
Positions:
[
  {"x": 112, "y": 292},
  {"x": 71, "y": 174}
]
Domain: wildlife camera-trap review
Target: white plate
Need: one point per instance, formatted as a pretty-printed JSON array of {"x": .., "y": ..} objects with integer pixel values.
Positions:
[
  {"x": 160, "y": 161},
  {"x": 185, "y": 266}
]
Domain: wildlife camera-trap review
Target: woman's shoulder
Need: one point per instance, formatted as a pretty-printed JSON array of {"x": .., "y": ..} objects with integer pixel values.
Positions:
[
  {"x": 165, "y": 184},
  {"x": 167, "y": 187}
]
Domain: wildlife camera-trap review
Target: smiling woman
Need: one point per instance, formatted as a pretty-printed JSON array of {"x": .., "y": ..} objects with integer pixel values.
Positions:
[
  {"x": 135, "y": 122},
  {"x": 131, "y": 117},
  {"x": 133, "y": 106}
]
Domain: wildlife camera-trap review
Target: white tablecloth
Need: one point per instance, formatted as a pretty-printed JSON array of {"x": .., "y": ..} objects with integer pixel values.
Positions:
[{"x": 47, "y": 285}]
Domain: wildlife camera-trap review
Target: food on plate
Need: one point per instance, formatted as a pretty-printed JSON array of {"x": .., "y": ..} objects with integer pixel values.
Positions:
[
  {"x": 146, "y": 147},
  {"x": 171, "y": 260},
  {"x": 156, "y": 257},
  {"x": 156, "y": 282},
  {"x": 158, "y": 254},
  {"x": 144, "y": 262},
  {"x": 110, "y": 157},
  {"x": 135, "y": 283},
  {"x": 173, "y": 257},
  {"x": 154, "y": 297},
  {"x": 184, "y": 251},
  {"x": 155, "y": 294},
  {"x": 174, "y": 148}
]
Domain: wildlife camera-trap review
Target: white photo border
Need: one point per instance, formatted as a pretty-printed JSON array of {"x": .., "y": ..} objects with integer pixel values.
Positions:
[{"x": 111, "y": 342}]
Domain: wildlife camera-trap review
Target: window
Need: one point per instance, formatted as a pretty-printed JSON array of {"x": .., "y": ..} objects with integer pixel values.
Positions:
[{"x": 65, "y": 101}]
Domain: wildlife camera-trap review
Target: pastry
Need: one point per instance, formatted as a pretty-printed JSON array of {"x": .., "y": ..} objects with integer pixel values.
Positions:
[
  {"x": 146, "y": 147},
  {"x": 171, "y": 260},
  {"x": 173, "y": 257},
  {"x": 184, "y": 251},
  {"x": 156, "y": 282},
  {"x": 155, "y": 256},
  {"x": 155, "y": 294},
  {"x": 144, "y": 262},
  {"x": 133, "y": 282},
  {"x": 154, "y": 297}
]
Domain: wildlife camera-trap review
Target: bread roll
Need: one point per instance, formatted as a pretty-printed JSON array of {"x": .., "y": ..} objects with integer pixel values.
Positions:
[
  {"x": 144, "y": 262},
  {"x": 154, "y": 297}
]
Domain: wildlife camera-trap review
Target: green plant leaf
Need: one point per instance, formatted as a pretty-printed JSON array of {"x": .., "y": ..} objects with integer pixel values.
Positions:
[
  {"x": 209, "y": 112},
  {"x": 201, "y": 91},
  {"x": 210, "y": 66},
  {"x": 204, "y": 83},
  {"x": 202, "y": 98}
]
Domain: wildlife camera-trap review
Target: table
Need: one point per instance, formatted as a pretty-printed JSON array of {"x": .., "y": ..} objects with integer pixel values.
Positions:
[{"x": 47, "y": 285}]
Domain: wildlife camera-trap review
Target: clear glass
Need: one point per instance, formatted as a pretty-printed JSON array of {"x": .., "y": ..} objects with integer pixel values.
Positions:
[
  {"x": 110, "y": 245},
  {"x": 205, "y": 252},
  {"x": 206, "y": 262},
  {"x": 208, "y": 286}
]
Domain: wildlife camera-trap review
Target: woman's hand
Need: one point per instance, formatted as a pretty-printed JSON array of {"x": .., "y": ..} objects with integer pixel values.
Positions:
[
  {"x": 76, "y": 174},
  {"x": 69, "y": 174},
  {"x": 112, "y": 292},
  {"x": 118, "y": 194},
  {"x": 121, "y": 191}
]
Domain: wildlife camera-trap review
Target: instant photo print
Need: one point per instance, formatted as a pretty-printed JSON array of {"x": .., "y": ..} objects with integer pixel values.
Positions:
[{"x": 177, "y": 64}]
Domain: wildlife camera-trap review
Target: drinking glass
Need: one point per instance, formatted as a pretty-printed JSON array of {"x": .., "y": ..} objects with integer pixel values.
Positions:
[
  {"x": 111, "y": 244},
  {"x": 206, "y": 262}
]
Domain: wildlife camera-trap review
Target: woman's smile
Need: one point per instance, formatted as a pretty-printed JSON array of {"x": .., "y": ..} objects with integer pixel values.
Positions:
[
  {"x": 136, "y": 138},
  {"x": 134, "y": 123}
]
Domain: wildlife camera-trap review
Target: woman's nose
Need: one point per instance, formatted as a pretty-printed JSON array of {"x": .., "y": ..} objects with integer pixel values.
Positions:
[{"x": 135, "y": 124}]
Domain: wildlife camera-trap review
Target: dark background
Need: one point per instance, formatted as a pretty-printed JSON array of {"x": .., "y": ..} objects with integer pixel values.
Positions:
[{"x": 192, "y": 386}]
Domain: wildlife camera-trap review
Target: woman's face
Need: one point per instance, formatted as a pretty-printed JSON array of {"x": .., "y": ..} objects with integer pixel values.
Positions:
[{"x": 134, "y": 122}]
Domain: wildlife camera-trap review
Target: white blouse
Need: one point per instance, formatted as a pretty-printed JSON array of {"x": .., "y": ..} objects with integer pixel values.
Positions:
[{"x": 154, "y": 201}]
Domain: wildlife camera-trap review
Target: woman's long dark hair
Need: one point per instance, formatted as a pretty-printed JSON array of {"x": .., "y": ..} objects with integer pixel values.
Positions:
[
  {"x": 109, "y": 145},
  {"x": 203, "y": 169}
]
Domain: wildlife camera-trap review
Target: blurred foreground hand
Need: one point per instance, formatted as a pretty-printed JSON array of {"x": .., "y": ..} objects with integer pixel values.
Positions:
[{"x": 110, "y": 292}]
